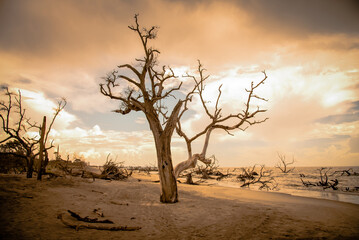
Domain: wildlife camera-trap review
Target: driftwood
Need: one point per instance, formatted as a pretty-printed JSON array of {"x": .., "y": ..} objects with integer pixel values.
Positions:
[
  {"x": 348, "y": 172},
  {"x": 324, "y": 182},
  {"x": 283, "y": 164},
  {"x": 87, "y": 219},
  {"x": 264, "y": 178},
  {"x": 69, "y": 221}
]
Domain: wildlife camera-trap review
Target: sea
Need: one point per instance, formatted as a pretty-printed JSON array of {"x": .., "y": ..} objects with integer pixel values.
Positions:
[{"x": 290, "y": 183}]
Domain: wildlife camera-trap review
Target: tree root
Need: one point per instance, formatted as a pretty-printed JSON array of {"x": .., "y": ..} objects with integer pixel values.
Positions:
[{"x": 67, "y": 220}]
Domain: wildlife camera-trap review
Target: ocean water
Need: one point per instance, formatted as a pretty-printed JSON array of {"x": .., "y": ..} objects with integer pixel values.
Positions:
[{"x": 290, "y": 183}]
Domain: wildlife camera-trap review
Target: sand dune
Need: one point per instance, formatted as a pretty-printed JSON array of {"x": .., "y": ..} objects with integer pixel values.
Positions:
[{"x": 29, "y": 210}]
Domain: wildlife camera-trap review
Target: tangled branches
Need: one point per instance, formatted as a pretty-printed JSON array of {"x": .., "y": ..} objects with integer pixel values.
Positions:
[
  {"x": 114, "y": 171},
  {"x": 263, "y": 178},
  {"x": 324, "y": 181}
]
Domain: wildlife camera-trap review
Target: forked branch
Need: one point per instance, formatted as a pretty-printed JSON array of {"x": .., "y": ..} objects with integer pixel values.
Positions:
[{"x": 217, "y": 120}]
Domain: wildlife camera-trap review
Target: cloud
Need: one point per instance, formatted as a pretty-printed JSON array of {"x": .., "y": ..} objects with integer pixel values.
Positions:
[
  {"x": 322, "y": 16},
  {"x": 309, "y": 51},
  {"x": 354, "y": 144},
  {"x": 324, "y": 143},
  {"x": 140, "y": 120},
  {"x": 24, "y": 81},
  {"x": 39, "y": 106},
  {"x": 95, "y": 143},
  {"x": 351, "y": 115}
]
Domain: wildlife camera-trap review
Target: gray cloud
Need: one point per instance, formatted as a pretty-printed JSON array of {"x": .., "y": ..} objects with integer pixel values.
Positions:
[
  {"x": 354, "y": 144},
  {"x": 322, "y": 16},
  {"x": 322, "y": 143},
  {"x": 352, "y": 115},
  {"x": 24, "y": 81},
  {"x": 52, "y": 27}
]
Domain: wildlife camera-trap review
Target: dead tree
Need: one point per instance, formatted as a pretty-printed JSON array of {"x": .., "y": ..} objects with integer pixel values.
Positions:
[
  {"x": 17, "y": 130},
  {"x": 263, "y": 178},
  {"x": 11, "y": 157},
  {"x": 283, "y": 164},
  {"x": 144, "y": 88},
  {"x": 324, "y": 181},
  {"x": 242, "y": 120},
  {"x": 41, "y": 151}
]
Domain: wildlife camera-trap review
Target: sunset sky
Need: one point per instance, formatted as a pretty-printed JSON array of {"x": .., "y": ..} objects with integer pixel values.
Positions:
[{"x": 309, "y": 50}]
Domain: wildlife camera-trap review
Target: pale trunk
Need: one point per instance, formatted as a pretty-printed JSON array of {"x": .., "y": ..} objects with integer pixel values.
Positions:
[
  {"x": 162, "y": 138},
  {"x": 41, "y": 153},
  {"x": 192, "y": 160},
  {"x": 30, "y": 165},
  {"x": 168, "y": 182}
]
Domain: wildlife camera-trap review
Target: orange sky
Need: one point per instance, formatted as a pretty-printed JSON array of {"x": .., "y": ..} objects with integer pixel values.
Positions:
[{"x": 310, "y": 51}]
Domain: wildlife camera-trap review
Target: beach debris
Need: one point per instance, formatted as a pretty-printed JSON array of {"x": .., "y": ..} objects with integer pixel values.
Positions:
[
  {"x": 99, "y": 212},
  {"x": 348, "y": 172},
  {"x": 209, "y": 169},
  {"x": 307, "y": 183},
  {"x": 324, "y": 181},
  {"x": 88, "y": 219},
  {"x": 117, "y": 203},
  {"x": 263, "y": 178},
  {"x": 74, "y": 222},
  {"x": 97, "y": 191},
  {"x": 113, "y": 170}
]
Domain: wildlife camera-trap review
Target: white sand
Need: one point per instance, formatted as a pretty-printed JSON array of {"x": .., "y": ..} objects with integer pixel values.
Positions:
[{"x": 29, "y": 210}]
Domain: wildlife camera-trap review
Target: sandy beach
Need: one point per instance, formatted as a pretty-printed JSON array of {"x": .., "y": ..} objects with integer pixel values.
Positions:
[{"x": 29, "y": 210}]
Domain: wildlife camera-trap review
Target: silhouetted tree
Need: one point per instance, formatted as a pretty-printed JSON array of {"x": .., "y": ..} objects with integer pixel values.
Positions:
[
  {"x": 143, "y": 87},
  {"x": 12, "y": 157},
  {"x": 15, "y": 125}
]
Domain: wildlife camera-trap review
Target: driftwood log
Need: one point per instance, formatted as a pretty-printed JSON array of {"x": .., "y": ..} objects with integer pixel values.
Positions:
[
  {"x": 87, "y": 219},
  {"x": 75, "y": 223}
]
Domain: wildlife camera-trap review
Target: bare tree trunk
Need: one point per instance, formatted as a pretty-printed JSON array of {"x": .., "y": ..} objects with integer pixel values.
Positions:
[
  {"x": 30, "y": 166},
  {"x": 169, "y": 193},
  {"x": 42, "y": 146}
]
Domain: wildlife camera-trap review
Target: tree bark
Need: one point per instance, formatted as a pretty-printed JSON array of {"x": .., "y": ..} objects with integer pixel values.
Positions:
[
  {"x": 30, "y": 166},
  {"x": 192, "y": 160},
  {"x": 169, "y": 193},
  {"x": 42, "y": 146}
]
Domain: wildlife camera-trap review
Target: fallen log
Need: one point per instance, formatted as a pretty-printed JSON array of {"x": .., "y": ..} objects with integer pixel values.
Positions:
[
  {"x": 69, "y": 222},
  {"x": 87, "y": 219}
]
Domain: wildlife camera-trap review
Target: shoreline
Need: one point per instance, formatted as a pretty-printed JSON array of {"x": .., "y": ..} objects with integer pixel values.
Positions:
[
  {"x": 347, "y": 197},
  {"x": 29, "y": 210}
]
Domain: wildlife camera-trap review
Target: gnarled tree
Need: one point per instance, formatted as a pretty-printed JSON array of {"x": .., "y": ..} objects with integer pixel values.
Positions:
[
  {"x": 228, "y": 123},
  {"x": 143, "y": 87},
  {"x": 16, "y": 125}
]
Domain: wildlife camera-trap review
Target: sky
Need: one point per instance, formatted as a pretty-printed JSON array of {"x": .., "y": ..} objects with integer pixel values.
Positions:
[{"x": 309, "y": 50}]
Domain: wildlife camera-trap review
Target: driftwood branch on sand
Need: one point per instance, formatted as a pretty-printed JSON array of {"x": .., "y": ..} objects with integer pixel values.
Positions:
[
  {"x": 87, "y": 219},
  {"x": 73, "y": 220}
]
